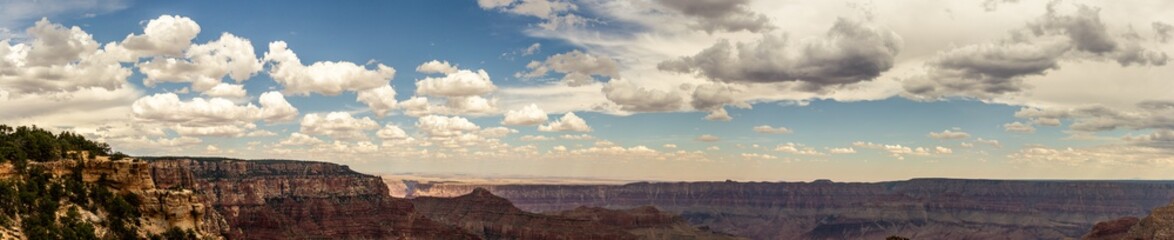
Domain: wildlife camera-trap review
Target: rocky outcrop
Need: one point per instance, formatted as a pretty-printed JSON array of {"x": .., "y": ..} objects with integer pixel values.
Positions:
[
  {"x": 279, "y": 199},
  {"x": 918, "y": 209},
  {"x": 1158, "y": 225},
  {"x": 1111, "y": 230},
  {"x": 160, "y": 209},
  {"x": 493, "y": 217}
]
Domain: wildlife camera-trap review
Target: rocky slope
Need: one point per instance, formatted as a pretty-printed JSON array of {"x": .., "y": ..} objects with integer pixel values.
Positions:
[
  {"x": 493, "y": 217},
  {"x": 277, "y": 199},
  {"x": 919, "y": 208},
  {"x": 155, "y": 210},
  {"x": 1158, "y": 225}
]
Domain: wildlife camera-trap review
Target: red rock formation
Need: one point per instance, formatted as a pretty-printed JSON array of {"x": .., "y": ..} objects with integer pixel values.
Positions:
[
  {"x": 275, "y": 199},
  {"x": 1111, "y": 230},
  {"x": 1158, "y": 225},
  {"x": 919, "y": 208},
  {"x": 493, "y": 217}
]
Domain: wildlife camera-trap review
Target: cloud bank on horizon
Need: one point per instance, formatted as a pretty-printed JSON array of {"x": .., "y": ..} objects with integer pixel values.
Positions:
[{"x": 634, "y": 89}]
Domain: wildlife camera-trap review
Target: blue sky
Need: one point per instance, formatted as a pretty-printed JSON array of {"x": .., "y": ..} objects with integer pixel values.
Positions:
[{"x": 637, "y": 89}]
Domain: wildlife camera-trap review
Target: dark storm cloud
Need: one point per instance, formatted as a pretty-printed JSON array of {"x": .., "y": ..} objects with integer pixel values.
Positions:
[
  {"x": 715, "y": 15},
  {"x": 986, "y": 70},
  {"x": 1163, "y": 30},
  {"x": 850, "y": 52}
]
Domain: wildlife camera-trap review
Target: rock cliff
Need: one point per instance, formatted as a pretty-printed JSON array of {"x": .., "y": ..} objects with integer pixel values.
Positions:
[
  {"x": 279, "y": 199},
  {"x": 156, "y": 210},
  {"x": 918, "y": 208},
  {"x": 1159, "y": 224},
  {"x": 493, "y": 217}
]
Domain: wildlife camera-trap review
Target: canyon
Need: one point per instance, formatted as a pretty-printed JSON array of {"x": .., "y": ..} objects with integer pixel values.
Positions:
[{"x": 917, "y": 208}]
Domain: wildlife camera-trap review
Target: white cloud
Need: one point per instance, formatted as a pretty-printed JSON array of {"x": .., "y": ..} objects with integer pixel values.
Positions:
[
  {"x": 215, "y": 116},
  {"x": 771, "y": 130},
  {"x": 458, "y": 84},
  {"x": 326, "y": 78},
  {"x": 298, "y": 139},
  {"x": 758, "y": 156},
  {"x": 204, "y": 65},
  {"x": 57, "y": 59},
  {"x": 380, "y": 100},
  {"x": 670, "y": 145},
  {"x": 1019, "y": 127},
  {"x": 534, "y": 138},
  {"x": 949, "y": 135},
  {"x": 576, "y": 137},
  {"x": 436, "y": 66},
  {"x": 391, "y": 132},
  {"x": 226, "y": 90},
  {"x": 444, "y": 127},
  {"x": 708, "y": 138},
  {"x": 639, "y": 99},
  {"x": 799, "y": 149},
  {"x": 578, "y": 68},
  {"x": 568, "y": 122},
  {"x": 846, "y": 150},
  {"x": 338, "y": 125},
  {"x": 166, "y": 35},
  {"x": 529, "y": 115}
]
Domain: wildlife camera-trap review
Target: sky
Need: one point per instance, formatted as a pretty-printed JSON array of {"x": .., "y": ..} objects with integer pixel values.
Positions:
[{"x": 748, "y": 90}]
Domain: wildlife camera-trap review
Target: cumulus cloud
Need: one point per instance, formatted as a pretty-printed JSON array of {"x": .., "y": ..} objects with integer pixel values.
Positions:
[
  {"x": 391, "y": 132},
  {"x": 846, "y": 150},
  {"x": 992, "y": 69},
  {"x": 639, "y": 99},
  {"x": 798, "y": 149},
  {"x": 1107, "y": 155},
  {"x": 1162, "y": 31},
  {"x": 436, "y": 66},
  {"x": 463, "y": 91},
  {"x": 527, "y": 116},
  {"x": 771, "y": 130},
  {"x": 204, "y": 65},
  {"x": 445, "y": 127},
  {"x": 576, "y": 137},
  {"x": 1019, "y": 127},
  {"x": 708, "y": 138},
  {"x": 1147, "y": 115},
  {"x": 298, "y": 139},
  {"x": 720, "y": 15},
  {"x": 166, "y": 35},
  {"x": 325, "y": 77},
  {"x": 215, "y": 116},
  {"x": 338, "y": 125},
  {"x": 850, "y": 52},
  {"x": 457, "y": 84},
  {"x": 380, "y": 100},
  {"x": 58, "y": 59},
  {"x": 567, "y": 123},
  {"x": 226, "y": 90},
  {"x": 897, "y": 151},
  {"x": 535, "y": 138},
  {"x": 578, "y": 68},
  {"x": 949, "y": 135},
  {"x": 758, "y": 156}
]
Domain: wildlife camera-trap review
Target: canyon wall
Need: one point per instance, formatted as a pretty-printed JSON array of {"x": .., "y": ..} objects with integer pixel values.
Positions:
[
  {"x": 918, "y": 208},
  {"x": 279, "y": 199}
]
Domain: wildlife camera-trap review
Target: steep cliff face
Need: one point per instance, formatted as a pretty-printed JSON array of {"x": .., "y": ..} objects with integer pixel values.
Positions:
[
  {"x": 919, "y": 208},
  {"x": 155, "y": 210},
  {"x": 1158, "y": 225},
  {"x": 278, "y": 199},
  {"x": 493, "y": 217}
]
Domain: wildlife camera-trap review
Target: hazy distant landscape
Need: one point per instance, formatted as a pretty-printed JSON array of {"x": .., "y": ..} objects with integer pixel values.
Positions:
[{"x": 587, "y": 119}]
